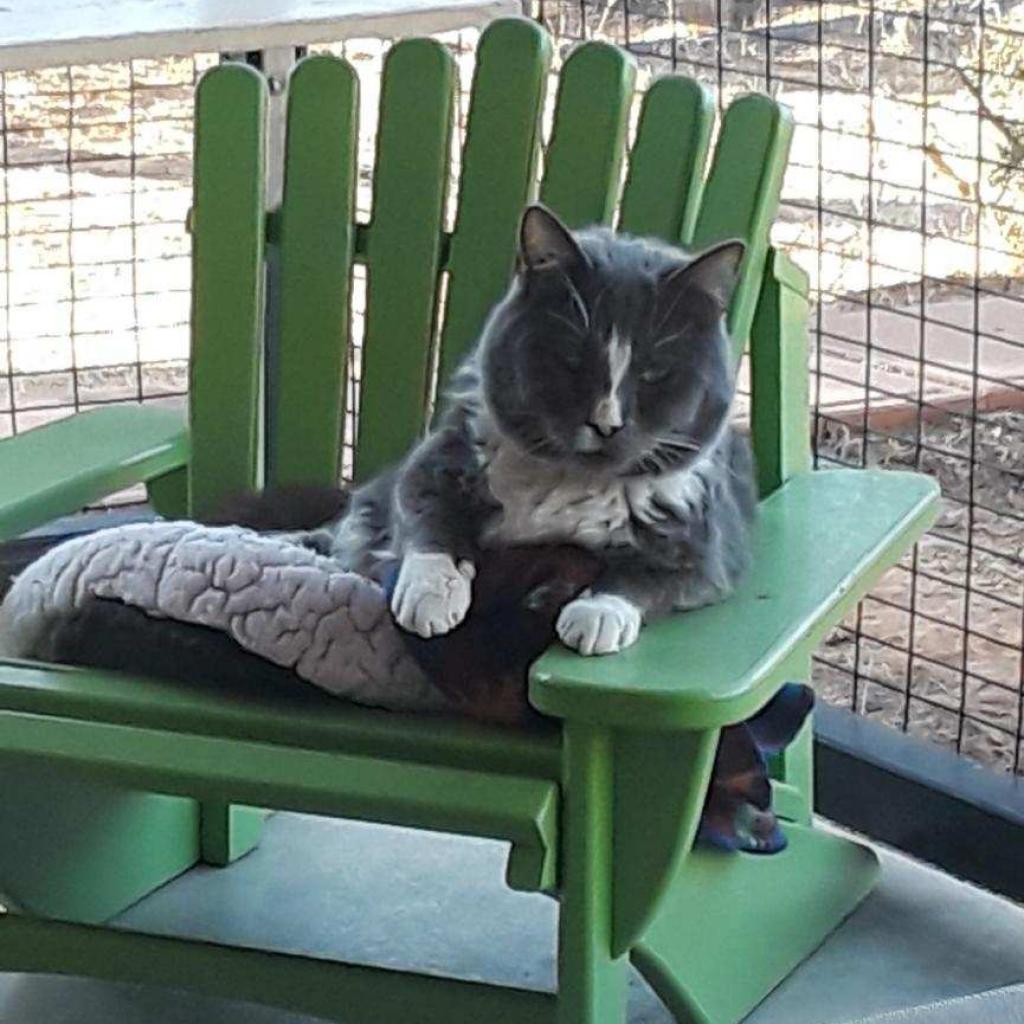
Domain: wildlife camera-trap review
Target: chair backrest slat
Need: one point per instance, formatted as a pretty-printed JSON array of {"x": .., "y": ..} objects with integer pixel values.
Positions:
[
  {"x": 228, "y": 225},
  {"x": 779, "y": 377},
  {"x": 404, "y": 249},
  {"x": 499, "y": 163},
  {"x": 741, "y": 196},
  {"x": 583, "y": 164},
  {"x": 317, "y": 227},
  {"x": 665, "y": 180}
]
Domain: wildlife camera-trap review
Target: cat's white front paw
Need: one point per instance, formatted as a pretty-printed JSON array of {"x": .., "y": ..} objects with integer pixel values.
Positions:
[
  {"x": 432, "y": 594},
  {"x": 599, "y": 624}
]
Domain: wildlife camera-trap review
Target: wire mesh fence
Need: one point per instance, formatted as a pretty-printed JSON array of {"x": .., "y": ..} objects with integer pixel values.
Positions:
[
  {"x": 904, "y": 202},
  {"x": 94, "y": 261}
]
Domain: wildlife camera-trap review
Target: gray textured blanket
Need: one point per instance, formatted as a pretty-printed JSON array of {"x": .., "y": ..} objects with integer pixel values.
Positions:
[{"x": 277, "y": 599}]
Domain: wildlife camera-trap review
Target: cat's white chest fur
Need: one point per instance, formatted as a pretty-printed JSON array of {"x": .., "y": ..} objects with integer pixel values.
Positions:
[{"x": 542, "y": 501}]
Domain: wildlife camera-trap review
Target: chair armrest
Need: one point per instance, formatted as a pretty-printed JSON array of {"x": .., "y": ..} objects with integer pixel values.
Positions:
[
  {"x": 820, "y": 543},
  {"x": 58, "y": 468}
]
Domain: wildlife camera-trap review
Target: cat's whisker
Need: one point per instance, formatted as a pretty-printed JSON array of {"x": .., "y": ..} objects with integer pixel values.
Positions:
[
  {"x": 580, "y": 305},
  {"x": 677, "y": 436},
  {"x": 682, "y": 443},
  {"x": 541, "y": 446},
  {"x": 575, "y": 328},
  {"x": 599, "y": 298},
  {"x": 674, "y": 336},
  {"x": 666, "y": 316}
]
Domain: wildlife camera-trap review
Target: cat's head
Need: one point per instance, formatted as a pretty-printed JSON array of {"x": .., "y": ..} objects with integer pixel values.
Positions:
[{"x": 611, "y": 352}]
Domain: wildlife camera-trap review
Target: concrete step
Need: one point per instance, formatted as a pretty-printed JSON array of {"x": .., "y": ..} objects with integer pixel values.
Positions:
[
  {"x": 1001, "y": 1006},
  {"x": 407, "y": 899}
]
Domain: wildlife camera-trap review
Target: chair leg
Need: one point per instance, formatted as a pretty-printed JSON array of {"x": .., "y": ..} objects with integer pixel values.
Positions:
[
  {"x": 84, "y": 850},
  {"x": 168, "y": 494},
  {"x": 797, "y": 770},
  {"x": 734, "y": 925},
  {"x": 227, "y": 832},
  {"x": 795, "y": 765},
  {"x": 591, "y": 983}
]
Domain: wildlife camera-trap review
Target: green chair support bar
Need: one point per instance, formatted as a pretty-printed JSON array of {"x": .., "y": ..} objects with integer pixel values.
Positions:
[{"x": 142, "y": 778}]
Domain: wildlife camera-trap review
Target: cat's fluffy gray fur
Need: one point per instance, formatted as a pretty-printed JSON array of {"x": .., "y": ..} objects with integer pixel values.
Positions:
[{"x": 595, "y": 411}]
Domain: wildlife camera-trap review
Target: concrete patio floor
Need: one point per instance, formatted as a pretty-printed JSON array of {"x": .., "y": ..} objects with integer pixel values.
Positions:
[{"x": 387, "y": 896}]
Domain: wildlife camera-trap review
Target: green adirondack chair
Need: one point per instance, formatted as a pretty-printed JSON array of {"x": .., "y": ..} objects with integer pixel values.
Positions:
[{"x": 113, "y": 785}]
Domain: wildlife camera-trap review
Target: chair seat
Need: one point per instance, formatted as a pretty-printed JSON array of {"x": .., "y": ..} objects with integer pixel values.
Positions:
[
  {"x": 820, "y": 542},
  {"x": 305, "y": 718},
  {"x": 47, "y": 472}
]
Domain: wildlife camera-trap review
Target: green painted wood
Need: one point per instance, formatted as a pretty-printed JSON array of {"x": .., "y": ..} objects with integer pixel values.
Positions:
[
  {"x": 591, "y": 981},
  {"x": 705, "y": 927},
  {"x": 316, "y": 238},
  {"x": 403, "y": 249},
  {"x": 741, "y": 196},
  {"x": 782, "y": 445},
  {"x": 820, "y": 543},
  {"x": 793, "y": 792},
  {"x": 779, "y": 379},
  {"x": 228, "y": 832},
  {"x": 168, "y": 493},
  {"x": 305, "y": 718},
  {"x": 99, "y": 848},
  {"x": 533, "y": 867},
  {"x": 665, "y": 180},
  {"x": 228, "y": 224},
  {"x": 59, "y": 468},
  {"x": 788, "y": 801},
  {"x": 329, "y": 991},
  {"x": 506, "y": 807},
  {"x": 498, "y": 177},
  {"x": 654, "y": 833},
  {"x": 583, "y": 163},
  {"x": 227, "y": 282},
  {"x": 81, "y": 850}
]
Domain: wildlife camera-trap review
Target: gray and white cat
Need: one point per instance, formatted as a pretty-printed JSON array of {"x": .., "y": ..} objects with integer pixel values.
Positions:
[{"x": 593, "y": 411}]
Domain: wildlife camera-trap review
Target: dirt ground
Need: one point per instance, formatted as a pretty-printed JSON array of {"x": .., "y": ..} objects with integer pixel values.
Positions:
[{"x": 951, "y": 671}]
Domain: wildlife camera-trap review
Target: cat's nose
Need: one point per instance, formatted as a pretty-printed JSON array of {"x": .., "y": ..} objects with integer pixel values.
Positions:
[
  {"x": 606, "y": 428},
  {"x": 606, "y": 417}
]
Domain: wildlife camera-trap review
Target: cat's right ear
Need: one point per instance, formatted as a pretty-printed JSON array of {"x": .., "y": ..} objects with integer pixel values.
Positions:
[{"x": 545, "y": 243}]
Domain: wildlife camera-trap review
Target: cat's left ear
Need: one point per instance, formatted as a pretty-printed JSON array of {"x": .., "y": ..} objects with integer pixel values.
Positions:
[{"x": 715, "y": 272}]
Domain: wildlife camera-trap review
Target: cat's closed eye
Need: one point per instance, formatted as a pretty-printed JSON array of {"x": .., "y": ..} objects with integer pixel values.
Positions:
[{"x": 655, "y": 375}]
